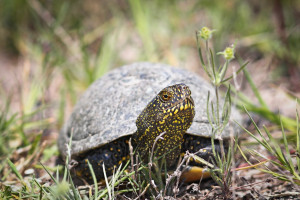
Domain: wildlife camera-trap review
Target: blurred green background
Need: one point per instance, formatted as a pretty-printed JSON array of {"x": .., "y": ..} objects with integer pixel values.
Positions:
[{"x": 51, "y": 51}]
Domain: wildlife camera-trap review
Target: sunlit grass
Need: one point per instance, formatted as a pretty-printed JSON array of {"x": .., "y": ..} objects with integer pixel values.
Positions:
[{"x": 59, "y": 48}]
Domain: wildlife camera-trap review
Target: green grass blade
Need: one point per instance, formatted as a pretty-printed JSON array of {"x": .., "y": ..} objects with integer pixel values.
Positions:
[
  {"x": 226, "y": 112},
  {"x": 200, "y": 54},
  {"x": 263, "y": 141},
  {"x": 51, "y": 176},
  {"x": 213, "y": 112},
  {"x": 213, "y": 65},
  {"x": 222, "y": 70},
  {"x": 298, "y": 140},
  {"x": 237, "y": 72},
  {"x": 142, "y": 22},
  {"x": 277, "y": 150},
  {"x": 287, "y": 151},
  {"x": 243, "y": 155},
  {"x": 207, "y": 109},
  {"x": 254, "y": 89},
  {"x": 275, "y": 174},
  {"x": 14, "y": 169},
  {"x": 94, "y": 179},
  {"x": 202, "y": 161},
  {"x": 106, "y": 56},
  {"x": 35, "y": 143},
  {"x": 289, "y": 163},
  {"x": 73, "y": 188}
]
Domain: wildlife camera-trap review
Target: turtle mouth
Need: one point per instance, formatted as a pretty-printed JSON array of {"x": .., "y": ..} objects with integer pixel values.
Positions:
[
  {"x": 184, "y": 104},
  {"x": 187, "y": 103},
  {"x": 181, "y": 113},
  {"x": 191, "y": 100}
]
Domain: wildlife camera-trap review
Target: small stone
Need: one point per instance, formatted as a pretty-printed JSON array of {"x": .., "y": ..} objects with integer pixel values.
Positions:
[{"x": 29, "y": 171}]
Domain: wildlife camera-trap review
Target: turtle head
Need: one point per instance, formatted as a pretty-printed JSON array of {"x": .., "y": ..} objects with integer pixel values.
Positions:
[
  {"x": 173, "y": 99},
  {"x": 171, "y": 110}
]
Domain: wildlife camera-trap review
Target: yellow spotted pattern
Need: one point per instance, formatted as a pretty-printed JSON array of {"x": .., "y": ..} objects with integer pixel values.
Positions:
[{"x": 171, "y": 112}]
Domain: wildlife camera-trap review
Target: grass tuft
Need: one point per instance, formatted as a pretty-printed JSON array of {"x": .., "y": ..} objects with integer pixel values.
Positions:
[
  {"x": 58, "y": 48},
  {"x": 279, "y": 158},
  {"x": 219, "y": 115}
]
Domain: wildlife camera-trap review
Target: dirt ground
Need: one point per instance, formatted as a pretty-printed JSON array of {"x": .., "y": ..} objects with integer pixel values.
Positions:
[{"x": 247, "y": 184}]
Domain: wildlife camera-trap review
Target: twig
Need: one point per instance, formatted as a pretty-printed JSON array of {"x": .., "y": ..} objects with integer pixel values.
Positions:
[
  {"x": 205, "y": 196},
  {"x": 285, "y": 194},
  {"x": 134, "y": 166},
  {"x": 177, "y": 173},
  {"x": 151, "y": 161},
  {"x": 154, "y": 144},
  {"x": 144, "y": 191},
  {"x": 251, "y": 184},
  {"x": 253, "y": 189}
]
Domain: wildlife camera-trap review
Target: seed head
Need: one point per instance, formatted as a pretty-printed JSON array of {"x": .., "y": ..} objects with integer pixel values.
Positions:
[
  {"x": 205, "y": 33},
  {"x": 228, "y": 53}
]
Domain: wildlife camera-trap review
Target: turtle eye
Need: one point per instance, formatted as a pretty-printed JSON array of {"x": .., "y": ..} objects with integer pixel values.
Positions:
[{"x": 165, "y": 96}]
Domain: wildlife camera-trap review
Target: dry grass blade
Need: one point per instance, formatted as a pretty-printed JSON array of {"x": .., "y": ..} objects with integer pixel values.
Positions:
[
  {"x": 284, "y": 160},
  {"x": 107, "y": 183},
  {"x": 150, "y": 164}
]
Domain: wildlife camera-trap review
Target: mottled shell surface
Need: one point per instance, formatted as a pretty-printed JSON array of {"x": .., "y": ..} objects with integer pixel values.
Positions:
[{"x": 109, "y": 108}]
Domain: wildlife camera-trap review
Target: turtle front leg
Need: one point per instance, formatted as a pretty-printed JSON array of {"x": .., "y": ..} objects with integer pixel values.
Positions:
[{"x": 202, "y": 147}]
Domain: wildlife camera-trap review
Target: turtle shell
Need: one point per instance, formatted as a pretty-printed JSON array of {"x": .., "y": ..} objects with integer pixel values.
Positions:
[{"x": 110, "y": 106}]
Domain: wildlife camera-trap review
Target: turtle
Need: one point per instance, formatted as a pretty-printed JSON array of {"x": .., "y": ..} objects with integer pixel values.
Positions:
[{"x": 141, "y": 101}]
